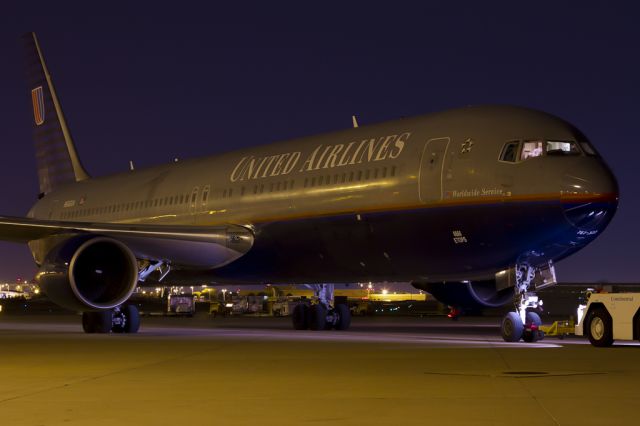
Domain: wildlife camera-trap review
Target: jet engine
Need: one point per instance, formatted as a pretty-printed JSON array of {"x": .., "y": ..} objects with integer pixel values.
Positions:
[
  {"x": 89, "y": 273},
  {"x": 468, "y": 296}
]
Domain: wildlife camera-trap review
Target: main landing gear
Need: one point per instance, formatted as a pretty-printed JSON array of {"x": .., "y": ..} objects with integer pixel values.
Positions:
[
  {"x": 322, "y": 316},
  {"x": 523, "y": 323},
  {"x": 123, "y": 319}
]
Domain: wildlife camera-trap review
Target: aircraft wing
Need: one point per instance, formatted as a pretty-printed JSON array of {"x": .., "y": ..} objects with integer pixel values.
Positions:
[{"x": 196, "y": 246}]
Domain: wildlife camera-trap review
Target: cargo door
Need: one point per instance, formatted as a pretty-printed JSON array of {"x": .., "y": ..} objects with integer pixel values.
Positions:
[{"x": 432, "y": 165}]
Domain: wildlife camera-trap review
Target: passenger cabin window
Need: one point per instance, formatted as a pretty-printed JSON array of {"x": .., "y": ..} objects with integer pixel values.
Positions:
[{"x": 510, "y": 152}]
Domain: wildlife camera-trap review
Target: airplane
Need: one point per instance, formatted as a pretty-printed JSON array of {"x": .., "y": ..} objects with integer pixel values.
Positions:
[{"x": 474, "y": 205}]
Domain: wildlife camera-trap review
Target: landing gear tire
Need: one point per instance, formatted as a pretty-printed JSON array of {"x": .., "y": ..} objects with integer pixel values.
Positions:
[
  {"x": 532, "y": 332},
  {"x": 599, "y": 327},
  {"x": 87, "y": 322},
  {"x": 512, "y": 327},
  {"x": 344, "y": 317},
  {"x": 132, "y": 316},
  {"x": 533, "y": 318},
  {"x": 126, "y": 319},
  {"x": 328, "y": 325},
  {"x": 123, "y": 320},
  {"x": 300, "y": 317},
  {"x": 317, "y": 317},
  {"x": 97, "y": 322}
]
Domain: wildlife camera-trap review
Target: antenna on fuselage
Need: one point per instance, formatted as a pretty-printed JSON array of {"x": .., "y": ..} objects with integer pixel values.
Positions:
[
  {"x": 355, "y": 121},
  {"x": 131, "y": 165}
]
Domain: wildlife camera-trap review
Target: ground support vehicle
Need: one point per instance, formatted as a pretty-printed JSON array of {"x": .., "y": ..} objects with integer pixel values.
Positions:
[
  {"x": 181, "y": 304},
  {"x": 609, "y": 316},
  {"x": 222, "y": 309}
]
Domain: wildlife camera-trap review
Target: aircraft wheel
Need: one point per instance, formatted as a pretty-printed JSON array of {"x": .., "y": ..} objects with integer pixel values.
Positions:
[
  {"x": 97, "y": 322},
  {"x": 300, "y": 316},
  {"x": 132, "y": 315},
  {"x": 344, "y": 317},
  {"x": 88, "y": 323},
  {"x": 511, "y": 327},
  {"x": 599, "y": 327},
  {"x": 317, "y": 317},
  {"x": 528, "y": 335},
  {"x": 328, "y": 325},
  {"x": 104, "y": 321}
]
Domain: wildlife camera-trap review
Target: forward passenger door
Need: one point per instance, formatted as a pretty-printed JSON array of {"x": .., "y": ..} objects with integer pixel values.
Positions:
[{"x": 432, "y": 165}]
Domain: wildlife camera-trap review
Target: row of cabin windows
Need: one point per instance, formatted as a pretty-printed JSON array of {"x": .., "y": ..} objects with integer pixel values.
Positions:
[
  {"x": 138, "y": 205},
  {"x": 259, "y": 189},
  {"x": 272, "y": 187},
  {"x": 355, "y": 176}
]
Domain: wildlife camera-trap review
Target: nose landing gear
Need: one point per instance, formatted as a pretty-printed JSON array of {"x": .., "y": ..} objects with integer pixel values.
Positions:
[{"x": 523, "y": 323}]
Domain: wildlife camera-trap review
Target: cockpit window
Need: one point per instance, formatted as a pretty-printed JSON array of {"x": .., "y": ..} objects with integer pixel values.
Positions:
[
  {"x": 516, "y": 151},
  {"x": 510, "y": 152},
  {"x": 588, "y": 149},
  {"x": 562, "y": 148},
  {"x": 531, "y": 149}
]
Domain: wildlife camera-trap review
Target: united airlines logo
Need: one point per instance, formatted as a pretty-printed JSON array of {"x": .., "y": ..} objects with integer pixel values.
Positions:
[
  {"x": 323, "y": 157},
  {"x": 38, "y": 105}
]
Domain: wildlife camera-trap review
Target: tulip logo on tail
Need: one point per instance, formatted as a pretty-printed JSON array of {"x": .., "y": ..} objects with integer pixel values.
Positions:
[{"x": 38, "y": 105}]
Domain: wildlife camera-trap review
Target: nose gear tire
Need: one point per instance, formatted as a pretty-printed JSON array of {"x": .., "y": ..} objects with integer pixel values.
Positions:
[{"x": 512, "y": 327}]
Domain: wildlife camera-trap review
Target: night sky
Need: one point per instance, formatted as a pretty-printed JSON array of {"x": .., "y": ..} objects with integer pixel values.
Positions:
[{"x": 152, "y": 82}]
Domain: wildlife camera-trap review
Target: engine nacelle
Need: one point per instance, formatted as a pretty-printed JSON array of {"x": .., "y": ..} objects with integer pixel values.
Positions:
[
  {"x": 468, "y": 295},
  {"x": 89, "y": 273}
]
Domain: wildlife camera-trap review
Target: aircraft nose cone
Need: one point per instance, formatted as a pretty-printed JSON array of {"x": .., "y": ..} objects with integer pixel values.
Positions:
[{"x": 589, "y": 195}]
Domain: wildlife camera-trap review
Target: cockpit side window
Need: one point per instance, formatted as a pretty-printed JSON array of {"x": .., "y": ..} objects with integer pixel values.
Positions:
[
  {"x": 531, "y": 149},
  {"x": 588, "y": 149},
  {"x": 510, "y": 152},
  {"x": 562, "y": 148}
]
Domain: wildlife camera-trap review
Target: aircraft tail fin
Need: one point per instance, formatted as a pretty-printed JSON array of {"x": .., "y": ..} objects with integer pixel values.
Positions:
[{"x": 57, "y": 160}]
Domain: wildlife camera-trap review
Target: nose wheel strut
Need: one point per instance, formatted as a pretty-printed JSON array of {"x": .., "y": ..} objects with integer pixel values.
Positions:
[{"x": 524, "y": 323}]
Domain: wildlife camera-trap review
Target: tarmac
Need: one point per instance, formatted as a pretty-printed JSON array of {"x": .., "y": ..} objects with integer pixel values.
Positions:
[{"x": 247, "y": 371}]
